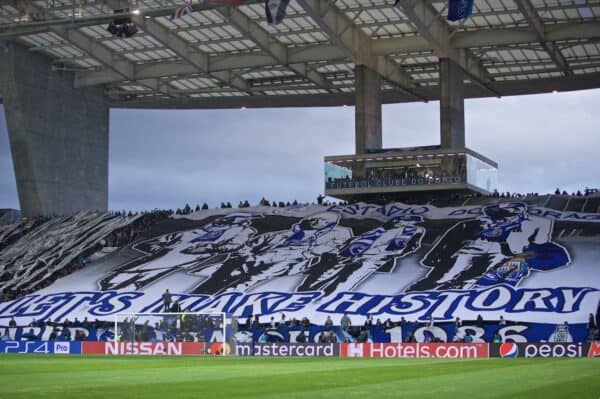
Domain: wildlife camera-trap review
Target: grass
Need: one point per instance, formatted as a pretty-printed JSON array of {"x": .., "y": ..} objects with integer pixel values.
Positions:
[{"x": 64, "y": 377}]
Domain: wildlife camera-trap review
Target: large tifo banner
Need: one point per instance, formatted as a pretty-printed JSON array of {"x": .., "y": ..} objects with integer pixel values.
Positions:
[{"x": 535, "y": 267}]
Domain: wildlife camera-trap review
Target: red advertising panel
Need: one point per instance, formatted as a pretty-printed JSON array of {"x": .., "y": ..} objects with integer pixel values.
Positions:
[
  {"x": 594, "y": 350},
  {"x": 416, "y": 350},
  {"x": 283, "y": 349},
  {"x": 143, "y": 348}
]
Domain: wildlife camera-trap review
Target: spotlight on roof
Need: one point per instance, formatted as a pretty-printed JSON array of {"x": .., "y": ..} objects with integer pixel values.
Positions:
[
  {"x": 122, "y": 31},
  {"x": 243, "y": 108},
  {"x": 135, "y": 11},
  {"x": 554, "y": 91}
]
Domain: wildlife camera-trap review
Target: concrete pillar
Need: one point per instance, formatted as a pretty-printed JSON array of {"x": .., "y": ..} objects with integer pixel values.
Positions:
[
  {"x": 58, "y": 135},
  {"x": 452, "y": 105},
  {"x": 367, "y": 90}
]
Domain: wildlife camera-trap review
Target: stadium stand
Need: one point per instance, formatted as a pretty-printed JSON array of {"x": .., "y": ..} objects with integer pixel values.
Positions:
[
  {"x": 9, "y": 216},
  {"x": 575, "y": 204},
  {"x": 558, "y": 202},
  {"x": 308, "y": 261},
  {"x": 592, "y": 205}
]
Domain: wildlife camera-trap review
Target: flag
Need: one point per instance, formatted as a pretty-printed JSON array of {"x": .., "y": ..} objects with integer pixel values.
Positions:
[
  {"x": 275, "y": 10},
  {"x": 459, "y": 9},
  {"x": 181, "y": 11}
]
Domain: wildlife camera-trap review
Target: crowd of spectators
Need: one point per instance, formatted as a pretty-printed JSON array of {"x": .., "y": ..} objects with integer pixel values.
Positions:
[
  {"x": 376, "y": 199},
  {"x": 188, "y": 210},
  {"x": 362, "y": 332},
  {"x": 189, "y": 327},
  {"x": 385, "y": 199},
  {"x": 186, "y": 327},
  {"x": 66, "y": 330},
  {"x": 586, "y": 192},
  {"x": 138, "y": 228}
]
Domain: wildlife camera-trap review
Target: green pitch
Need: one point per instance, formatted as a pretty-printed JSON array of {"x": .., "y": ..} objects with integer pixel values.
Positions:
[{"x": 52, "y": 376}]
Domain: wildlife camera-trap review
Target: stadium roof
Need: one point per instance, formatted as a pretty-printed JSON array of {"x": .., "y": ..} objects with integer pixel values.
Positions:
[{"x": 230, "y": 57}]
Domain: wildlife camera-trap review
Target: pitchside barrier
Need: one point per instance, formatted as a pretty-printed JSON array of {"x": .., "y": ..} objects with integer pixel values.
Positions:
[
  {"x": 361, "y": 350},
  {"x": 444, "y": 332}
]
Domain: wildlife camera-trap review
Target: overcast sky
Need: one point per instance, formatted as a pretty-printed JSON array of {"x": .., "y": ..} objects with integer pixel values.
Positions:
[{"x": 167, "y": 158}]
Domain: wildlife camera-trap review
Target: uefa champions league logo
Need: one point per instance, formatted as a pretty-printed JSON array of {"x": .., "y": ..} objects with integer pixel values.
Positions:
[
  {"x": 243, "y": 337},
  {"x": 509, "y": 349}
]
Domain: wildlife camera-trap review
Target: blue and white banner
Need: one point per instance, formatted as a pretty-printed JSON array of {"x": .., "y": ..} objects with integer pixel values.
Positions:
[
  {"x": 459, "y": 9},
  {"x": 527, "y": 264},
  {"x": 275, "y": 11},
  {"x": 530, "y": 305},
  {"x": 421, "y": 332}
]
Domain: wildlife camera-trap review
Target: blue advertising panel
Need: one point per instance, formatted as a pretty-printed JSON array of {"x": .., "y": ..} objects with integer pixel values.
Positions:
[{"x": 41, "y": 347}]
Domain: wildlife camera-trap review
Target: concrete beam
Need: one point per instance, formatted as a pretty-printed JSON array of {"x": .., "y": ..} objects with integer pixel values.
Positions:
[
  {"x": 510, "y": 36},
  {"x": 11, "y": 30},
  {"x": 437, "y": 33},
  {"x": 272, "y": 46},
  {"x": 381, "y": 47},
  {"x": 357, "y": 45},
  {"x": 505, "y": 88},
  {"x": 106, "y": 56},
  {"x": 296, "y": 57},
  {"x": 58, "y": 136},
  {"x": 98, "y": 51},
  {"x": 537, "y": 26},
  {"x": 452, "y": 105},
  {"x": 367, "y": 110},
  {"x": 197, "y": 59}
]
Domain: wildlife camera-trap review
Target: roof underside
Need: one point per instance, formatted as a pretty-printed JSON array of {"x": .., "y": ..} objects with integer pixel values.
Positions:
[{"x": 230, "y": 57}]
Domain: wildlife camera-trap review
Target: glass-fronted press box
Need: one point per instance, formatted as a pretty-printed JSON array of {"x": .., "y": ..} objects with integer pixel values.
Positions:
[{"x": 408, "y": 170}]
